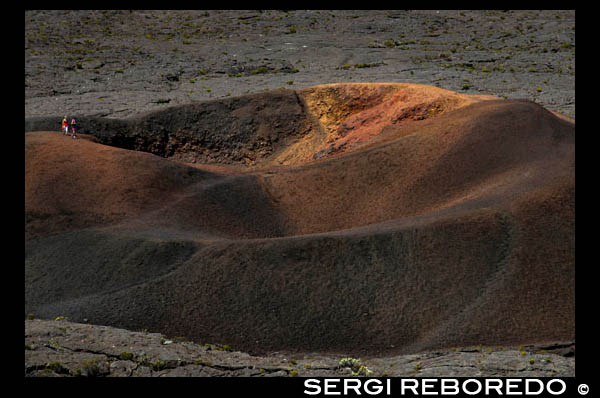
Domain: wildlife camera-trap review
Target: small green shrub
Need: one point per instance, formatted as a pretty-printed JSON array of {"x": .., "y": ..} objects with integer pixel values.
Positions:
[
  {"x": 260, "y": 70},
  {"x": 349, "y": 363},
  {"x": 362, "y": 371},
  {"x": 355, "y": 365},
  {"x": 126, "y": 356},
  {"x": 57, "y": 367},
  {"x": 158, "y": 365},
  {"x": 90, "y": 368},
  {"x": 367, "y": 65}
]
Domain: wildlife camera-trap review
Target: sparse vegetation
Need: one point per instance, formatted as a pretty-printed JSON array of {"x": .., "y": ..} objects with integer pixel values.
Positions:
[
  {"x": 367, "y": 65},
  {"x": 126, "y": 356},
  {"x": 158, "y": 365},
  {"x": 357, "y": 368},
  {"x": 349, "y": 363},
  {"x": 57, "y": 367},
  {"x": 361, "y": 65},
  {"x": 90, "y": 368},
  {"x": 362, "y": 371},
  {"x": 259, "y": 70}
]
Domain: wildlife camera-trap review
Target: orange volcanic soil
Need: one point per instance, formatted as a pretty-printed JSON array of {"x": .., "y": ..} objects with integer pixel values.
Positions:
[{"x": 406, "y": 218}]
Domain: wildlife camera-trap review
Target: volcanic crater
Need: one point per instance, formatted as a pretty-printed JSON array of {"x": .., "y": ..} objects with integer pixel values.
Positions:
[{"x": 361, "y": 218}]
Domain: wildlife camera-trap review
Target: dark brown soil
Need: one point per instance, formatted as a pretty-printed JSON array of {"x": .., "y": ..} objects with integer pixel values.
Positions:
[{"x": 453, "y": 230}]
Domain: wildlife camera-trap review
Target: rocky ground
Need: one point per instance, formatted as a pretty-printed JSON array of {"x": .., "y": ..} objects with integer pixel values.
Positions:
[
  {"x": 123, "y": 63},
  {"x": 62, "y": 348}
]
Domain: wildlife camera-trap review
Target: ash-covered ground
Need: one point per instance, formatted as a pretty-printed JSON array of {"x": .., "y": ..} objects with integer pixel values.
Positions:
[{"x": 123, "y": 63}]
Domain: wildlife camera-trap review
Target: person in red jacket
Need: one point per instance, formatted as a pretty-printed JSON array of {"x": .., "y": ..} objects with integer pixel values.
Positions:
[{"x": 65, "y": 126}]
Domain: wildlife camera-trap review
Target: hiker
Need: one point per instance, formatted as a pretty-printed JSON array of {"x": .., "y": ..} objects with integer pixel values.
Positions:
[
  {"x": 65, "y": 126},
  {"x": 73, "y": 128}
]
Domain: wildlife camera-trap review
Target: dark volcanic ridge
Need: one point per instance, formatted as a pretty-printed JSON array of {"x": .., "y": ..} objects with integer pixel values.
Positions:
[{"x": 348, "y": 218}]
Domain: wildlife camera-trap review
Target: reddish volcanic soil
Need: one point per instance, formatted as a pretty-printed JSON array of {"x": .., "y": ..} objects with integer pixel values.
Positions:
[{"x": 402, "y": 218}]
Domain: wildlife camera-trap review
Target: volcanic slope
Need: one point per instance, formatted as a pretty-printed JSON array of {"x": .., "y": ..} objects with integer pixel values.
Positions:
[{"x": 435, "y": 226}]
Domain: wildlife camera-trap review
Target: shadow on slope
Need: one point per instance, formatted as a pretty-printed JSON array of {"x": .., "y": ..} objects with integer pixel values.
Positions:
[
  {"x": 281, "y": 127},
  {"x": 452, "y": 231}
]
